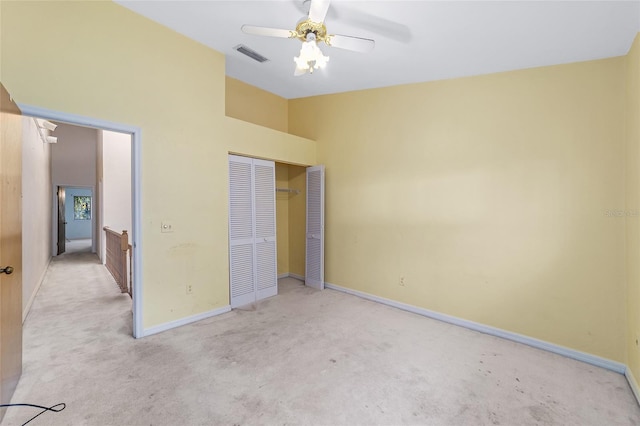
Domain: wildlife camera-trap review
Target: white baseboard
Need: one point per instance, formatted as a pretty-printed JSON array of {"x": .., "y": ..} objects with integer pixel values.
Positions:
[
  {"x": 493, "y": 331},
  {"x": 27, "y": 308},
  {"x": 291, "y": 275},
  {"x": 632, "y": 383},
  {"x": 184, "y": 321}
]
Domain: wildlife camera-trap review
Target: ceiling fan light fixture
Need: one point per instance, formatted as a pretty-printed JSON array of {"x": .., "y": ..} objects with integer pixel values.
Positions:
[
  {"x": 310, "y": 58},
  {"x": 310, "y": 31}
]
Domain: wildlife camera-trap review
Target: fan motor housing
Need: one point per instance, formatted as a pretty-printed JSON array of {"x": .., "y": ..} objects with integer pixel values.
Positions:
[{"x": 308, "y": 26}]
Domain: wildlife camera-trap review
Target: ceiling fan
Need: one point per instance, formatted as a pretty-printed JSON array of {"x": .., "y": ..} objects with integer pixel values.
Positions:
[{"x": 310, "y": 31}]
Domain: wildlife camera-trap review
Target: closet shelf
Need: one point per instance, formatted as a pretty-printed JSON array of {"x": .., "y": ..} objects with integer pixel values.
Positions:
[{"x": 294, "y": 191}]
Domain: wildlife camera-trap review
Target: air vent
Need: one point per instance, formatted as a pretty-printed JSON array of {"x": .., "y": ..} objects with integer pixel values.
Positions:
[{"x": 250, "y": 53}]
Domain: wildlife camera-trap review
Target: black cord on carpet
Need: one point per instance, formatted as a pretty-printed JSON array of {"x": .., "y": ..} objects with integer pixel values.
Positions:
[{"x": 55, "y": 408}]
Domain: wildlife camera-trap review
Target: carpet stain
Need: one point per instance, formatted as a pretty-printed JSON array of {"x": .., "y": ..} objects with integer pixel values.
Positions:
[{"x": 540, "y": 414}]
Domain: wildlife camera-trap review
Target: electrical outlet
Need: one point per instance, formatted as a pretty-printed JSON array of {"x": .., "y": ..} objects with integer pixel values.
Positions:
[
  {"x": 189, "y": 289},
  {"x": 401, "y": 283}
]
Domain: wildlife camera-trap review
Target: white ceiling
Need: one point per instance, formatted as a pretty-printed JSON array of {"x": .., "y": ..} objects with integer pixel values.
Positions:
[{"x": 415, "y": 40}]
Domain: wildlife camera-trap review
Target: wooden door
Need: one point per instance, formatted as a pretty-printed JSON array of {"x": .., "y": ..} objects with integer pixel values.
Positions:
[
  {"x": 62, "y": 228},
  {"x": 10, "y": 247},
  {"x": 314, "y": 269}
]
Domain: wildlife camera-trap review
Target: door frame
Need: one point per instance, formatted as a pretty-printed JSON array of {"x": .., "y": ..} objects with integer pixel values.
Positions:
[
  {"x": 57, "y": 213},
  {"x": 276, "y": 160},
  {"x": 136, "y": 190}
]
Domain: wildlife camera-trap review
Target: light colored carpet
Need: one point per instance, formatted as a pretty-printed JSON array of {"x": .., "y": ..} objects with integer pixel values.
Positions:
[
  {"x": 302, "y": 357},
  {"x": 78, "y": 246}
]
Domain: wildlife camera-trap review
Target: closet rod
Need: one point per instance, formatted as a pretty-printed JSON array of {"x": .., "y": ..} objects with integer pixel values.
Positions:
[{"x": 295, "y": 191}]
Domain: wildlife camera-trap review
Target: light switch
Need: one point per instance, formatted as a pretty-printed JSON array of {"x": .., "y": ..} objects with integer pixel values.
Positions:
[{"x": 166, "y": 226}]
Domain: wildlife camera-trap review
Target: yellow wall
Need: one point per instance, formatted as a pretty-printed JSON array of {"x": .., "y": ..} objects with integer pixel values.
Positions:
[
  {"x": 487, "y": 194},
  {"x": 249, "y": 103},
  {"x": 632, "y": 210},
  {"x": 297, "y": 220},
  {"x": 109, "y": 63},
  {"x": 282, "y": 218},
  {"x": 291, "y": 217}
]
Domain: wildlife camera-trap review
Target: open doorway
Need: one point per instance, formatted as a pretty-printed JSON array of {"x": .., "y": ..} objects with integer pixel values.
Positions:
[
  {"x": 300, "y": 223},
  {"x": 92, "y": 209},
  {"x": 276, "y": 227},
  {"x": 131, "y": 191},
  {"x": 75, "y": 220},
  {"x": 290, "y": 219},
  {"x": 75, "y": 162}
]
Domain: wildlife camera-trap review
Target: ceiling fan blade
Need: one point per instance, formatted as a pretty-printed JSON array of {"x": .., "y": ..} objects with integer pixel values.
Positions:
[
  {"x": 356, "y": 44},
  {"x": 270, "y": 32},
  {"x": 318, "y": 10},
  {"x": 374, "y": 24}
]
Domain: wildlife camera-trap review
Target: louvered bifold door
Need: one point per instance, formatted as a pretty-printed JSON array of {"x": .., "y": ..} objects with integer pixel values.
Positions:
[
  {"x": 314, "y": 271},
  {"x": 241, "y": 231},
  {"x": 265, "y": 226}
]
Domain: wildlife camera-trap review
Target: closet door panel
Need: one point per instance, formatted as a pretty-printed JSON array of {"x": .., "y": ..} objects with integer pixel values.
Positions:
[
  {"x": 314, "y": 269},
  {"x": 265, "y": 197},
  {"x": 265, "y": 225},
  {"x": 241, "y": 232},
  {"x": 266, "y": 269},
  {"x": 242, "y": 275}
]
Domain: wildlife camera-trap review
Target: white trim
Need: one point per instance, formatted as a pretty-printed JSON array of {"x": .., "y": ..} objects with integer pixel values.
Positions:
[
  {"x": 136, "y": 182},
  {"x": 27, "y": 308},
  {"x": 493, "y": 331},
  {"x": 285, "y": 275},
  {"x": 633, "y": 384},
  {"x": 184, "y": 321},
  {"x": 136, "y": 238}
]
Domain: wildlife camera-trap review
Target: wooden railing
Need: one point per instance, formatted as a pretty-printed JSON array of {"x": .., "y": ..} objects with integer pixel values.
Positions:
[{"x": 117, "y": 248}]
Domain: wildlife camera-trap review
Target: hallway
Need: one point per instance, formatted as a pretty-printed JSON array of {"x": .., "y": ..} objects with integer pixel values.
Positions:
[{"x": 77, "y": 305}]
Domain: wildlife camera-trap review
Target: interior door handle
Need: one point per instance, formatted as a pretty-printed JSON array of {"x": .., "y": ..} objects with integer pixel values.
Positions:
[{"x": 7, "y": 270}]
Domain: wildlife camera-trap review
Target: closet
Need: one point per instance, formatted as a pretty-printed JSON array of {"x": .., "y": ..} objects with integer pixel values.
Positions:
[{"x": 252, "y": 230}]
